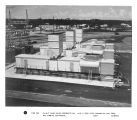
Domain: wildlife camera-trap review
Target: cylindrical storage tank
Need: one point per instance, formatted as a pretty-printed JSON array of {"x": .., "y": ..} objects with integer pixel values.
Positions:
[
  {"x": 107, "y": 67},
  {"x": 108, "y": 54},
  {"x": 53, "y": 65}
]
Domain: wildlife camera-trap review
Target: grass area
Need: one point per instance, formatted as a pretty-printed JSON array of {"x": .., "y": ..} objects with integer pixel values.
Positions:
[
  {"x": 72, "y": 90},
  {"x": 125, "y": 67},
  {"x": 125, "y": 44}
]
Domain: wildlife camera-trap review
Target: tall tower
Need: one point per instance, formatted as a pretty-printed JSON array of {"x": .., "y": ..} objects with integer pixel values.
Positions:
[
  {"x": 9, "y": 20},
  {"x": 27, "y": 17}
]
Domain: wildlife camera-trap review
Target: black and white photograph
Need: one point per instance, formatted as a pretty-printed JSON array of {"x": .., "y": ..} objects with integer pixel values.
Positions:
[{"x": 68, "y": 56}]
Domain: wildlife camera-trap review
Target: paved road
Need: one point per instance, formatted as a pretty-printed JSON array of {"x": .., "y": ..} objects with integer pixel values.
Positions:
[
  {"x": 71, "y": 90},
  {"x": 62, "y": 99}
]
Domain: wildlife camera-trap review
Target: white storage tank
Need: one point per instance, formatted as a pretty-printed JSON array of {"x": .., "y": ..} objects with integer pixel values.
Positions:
[
  {"x": 108, "y": 54},
  {"x": 107, "y": 67}
]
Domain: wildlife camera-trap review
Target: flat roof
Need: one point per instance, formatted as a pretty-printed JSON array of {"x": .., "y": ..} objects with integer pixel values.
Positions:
[
  {"x": 34, "y": 56},
  {"x": 109, "y": 43},
  {"x": 44, "y": 47},
  {"x": 83, "y": 50},
  {"x": 56, "y": 33},
  {"x": 107, "y": 60},
  {"x": 112, "y": 50},
  {"x": 70, "y": 59}
]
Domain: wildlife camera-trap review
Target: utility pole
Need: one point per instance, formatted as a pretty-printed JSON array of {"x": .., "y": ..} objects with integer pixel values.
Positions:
[
  {"x": 10, "y": 32},
  {"x": 27, "y": 17},
  {"x": 53, "y": 24},
  {"x": 9, "y": 18},
  {"x": 27, "y": 23}
]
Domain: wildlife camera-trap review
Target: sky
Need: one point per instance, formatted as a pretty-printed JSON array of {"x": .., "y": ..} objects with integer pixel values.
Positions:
[{"x": 73, "y": 12}]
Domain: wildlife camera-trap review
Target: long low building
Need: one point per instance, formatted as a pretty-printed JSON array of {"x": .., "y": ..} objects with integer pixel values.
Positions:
[
  {"x": 92, "y": 58},
  {"x": 67, "y": 64}
]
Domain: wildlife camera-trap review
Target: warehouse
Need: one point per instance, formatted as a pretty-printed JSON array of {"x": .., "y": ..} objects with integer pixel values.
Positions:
[{"x": 69, "y": 57}]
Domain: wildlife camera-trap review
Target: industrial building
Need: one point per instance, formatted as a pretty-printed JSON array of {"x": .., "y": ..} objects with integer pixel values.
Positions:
[{"x": 67, "y": 56}]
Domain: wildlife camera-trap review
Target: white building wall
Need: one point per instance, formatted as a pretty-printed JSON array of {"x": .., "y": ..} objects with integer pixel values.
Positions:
[
  {"x": 53, "y": 65},
  {"x": 107, "y": 68},
  {"x": 53, "y": 38}
]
